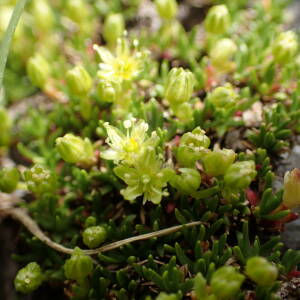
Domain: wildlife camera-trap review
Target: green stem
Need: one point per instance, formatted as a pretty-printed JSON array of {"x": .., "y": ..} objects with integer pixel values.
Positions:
[{"x": 7, "y": 38}]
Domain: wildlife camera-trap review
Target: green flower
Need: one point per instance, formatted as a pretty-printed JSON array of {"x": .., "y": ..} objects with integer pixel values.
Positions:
[
  {"x": 291, "y": 188},
  {"x": 146, "y": 177},
  {"x": 125, "y": 65},
  {"x": 127, "y": 147},
  {"x": 113, "y": 28},
  {"x": 187, "y": 182},
  {"x": 29, "y": 278},
  {"x": 223, "y": 97},
  {"x": 40, "y": 180},
  {"x": 167, "y": 9}
]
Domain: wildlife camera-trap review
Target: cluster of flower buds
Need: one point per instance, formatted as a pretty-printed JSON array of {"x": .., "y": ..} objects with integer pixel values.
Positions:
[
  {"x": 39, "y": 180},
  {"x": 94, "y": 236},
  {"x": 79, "y": 266},
  {"x": 29, "y": 278},
  {"x": 217, "y": 20},
  {"x": 74, "y": 149},
  {"x": 9, "y": 179}
]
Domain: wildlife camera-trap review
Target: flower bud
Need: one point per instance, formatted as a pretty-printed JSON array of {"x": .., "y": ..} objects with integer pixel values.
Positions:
[
  {"x": 184, "y": 112},
  {"x": 43, "y": 15},
  {"x": 285, "y": 47},
  {"x": 240, "y": 174},
  {"x": 76, "y": 10},
  {"x": 9, "y": 179},
  {"x": 187, "y": 182},
  {"x": 94, "y": 236},
  {"x": 223, "y": 97},
  {"x": 38, "y": 70},
  {"x": 260, "y": 270},
  {"x": 164, "y": 296},
  {"x": 179, "y": 86},
  {"x": 5, "y": 126},
  {"x": 40, "y": 180},
  {"x": 291, "y": 189},
  {"x": 113, "y": 28},
  {"x": 192, "y": 146},
  {"x": 29, "y": 278},
  {"x": 218, "y": 161},
  {"x": 226, "y": 282},
  {"x": 74, "y": 149},
  {"x": 167, "y": 9},
  {"x": 222, "y": 52},
  {"x": 79, "y": 266},
  {"x": 217, "y": 20},
  {"x": 79, "y": 81},
  {"x": 107, "y": 91}
]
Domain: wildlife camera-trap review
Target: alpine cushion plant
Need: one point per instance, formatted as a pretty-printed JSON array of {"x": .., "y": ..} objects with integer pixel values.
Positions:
[{"x": 143, "y": 149}]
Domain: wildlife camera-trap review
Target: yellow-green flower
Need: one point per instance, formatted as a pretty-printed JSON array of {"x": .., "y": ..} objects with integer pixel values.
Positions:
[
  {"x": 125, "y": 65},
  {"x": 146, "y": 177},
  {"x": 126, "y": 147}
]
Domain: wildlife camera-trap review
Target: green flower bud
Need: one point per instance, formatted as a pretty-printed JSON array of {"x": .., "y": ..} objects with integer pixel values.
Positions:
[
  {"x": 218, "y": 161},
  {"x": 222, "y": 52},
  {"x": 29, "y": 278},
  {"x": 260, "y": 270},
  {"x": 285, "y": 47},
  {"x": 43, "y": 15},
  {"x": 9, "y": 179},
  {"x": 223, "y": 97},
  {"x": 187, "y": 182},
  {"x": 164, "y": 296},
  {"x": 113, "y": 28},
  {"x": 77, "y": 10},
  {"x": 107, "y": 91},
  {"x": 167, "y": 9},
  {"x": 240, "y": 174},
  {"x": 226, "y": 282},
  {"x": 184, "y": 112},
  {"x": 79, "y": 81},
  {"x": 179, "y": 86},
  {"x": 40, "y": 180},
  {"x": 291, "y": 187},
  {"x": 192, "y": 147},
  {"x": 217, "y": 20},
  {"x": 5, "y": 126},
  {"x": 38, "y": 70},
  {"x": 94, "y": 236},
  {"x": 74, "y": 149},
  {"x": 79, "y": 266},
  {"x": 196, "y": 139}
]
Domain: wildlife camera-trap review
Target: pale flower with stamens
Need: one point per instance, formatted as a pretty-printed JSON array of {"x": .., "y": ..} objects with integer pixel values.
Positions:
[{"x": 127, "y": 147}]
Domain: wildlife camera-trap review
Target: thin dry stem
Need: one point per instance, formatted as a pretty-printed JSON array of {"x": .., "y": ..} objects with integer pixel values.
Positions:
[{"x": 22, "y": 216}]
